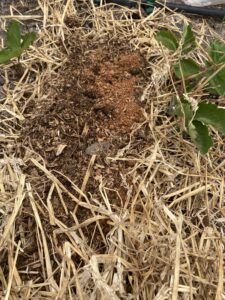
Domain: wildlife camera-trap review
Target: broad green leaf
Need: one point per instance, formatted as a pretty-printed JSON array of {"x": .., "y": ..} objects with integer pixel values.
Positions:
[
  {"x": 14, "y": 48},
  {"x": 217, "y": 52},
  {"x": 217, "y": 82},
  {"x": 28, "y": 39},
  {"x": 211, "y": 114},
  {"x": 168, "y": 39},
  {"x": 13, "y": 35},
  {"x": 7, "y": 54},
  {"x": 186, "y": 68},
  {"x": 200, "y": 136},
  {"x": 188, "y": 40},
  {"x": 217, "y": 55}
]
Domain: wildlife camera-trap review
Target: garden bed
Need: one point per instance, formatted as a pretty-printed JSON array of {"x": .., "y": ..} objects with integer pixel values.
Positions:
[{"x": 102, "y": 196}]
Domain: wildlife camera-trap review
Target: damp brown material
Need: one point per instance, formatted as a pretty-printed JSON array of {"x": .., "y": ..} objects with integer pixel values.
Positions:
[
  {"x": 101, "y": 196},
  {"x": 94, "y": 105}
]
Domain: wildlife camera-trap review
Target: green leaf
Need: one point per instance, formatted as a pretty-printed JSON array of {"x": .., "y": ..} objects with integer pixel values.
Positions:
[
  {"x": 14, "y": 47},
  {"x": 168, "y": 39},
  {"x": 7, "y": 54},
  {"x": 28, "y": 39},
  {"x": 200, "y": 136},
  {"x": 186, "y": 67},
  {"x": 217, "y": 52},
  {"x": 13, "y": 35},
  {"x": 211, "y": 114},
  {"x": 217, "y": 82},
  {"x": 217, "y": 55},
  {"x": 188, "y": 40}
]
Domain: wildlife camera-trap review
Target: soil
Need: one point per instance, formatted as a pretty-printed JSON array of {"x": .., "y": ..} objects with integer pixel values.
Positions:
[
  {"x": 94, "y": 104},
  {"x": 92, "y": 108}
]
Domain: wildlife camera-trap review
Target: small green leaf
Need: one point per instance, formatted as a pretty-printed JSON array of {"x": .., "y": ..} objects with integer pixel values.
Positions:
[
  {"x": 200, "y": 136},
  {"x": 7, "y": 54},
  {"x": 14, "y": 47},
  {"x": 217, "y": 55},
  {"x": 13, "y": 35},
  {"x": 211, "y": 114},
  {"x": 168, "y": 39},
  {"x": 188, "y": 40},
  {"x": 217, "y": 52},
  {"x": 217, "y": 82},
  {"x": 186, "y": 68},
  {"x": 28, "y": 39}
]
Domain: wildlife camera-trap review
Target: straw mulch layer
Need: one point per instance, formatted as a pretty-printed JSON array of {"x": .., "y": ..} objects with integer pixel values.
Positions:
[{"x": 101, "y": 195}]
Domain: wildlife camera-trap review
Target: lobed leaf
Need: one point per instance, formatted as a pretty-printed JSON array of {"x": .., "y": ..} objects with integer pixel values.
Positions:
[
  {"x": 211, "y": 114},
  {"x": 168, "y": 39},
  {"x": 186, "y": 68},
  {"x": 13, "y": 36},
  {"x": 14, "y": 47},
  {"x": 199, "y": 134},
  {"x": 28, "y": 39},
  {"x": 217, "y": 52},
  {"x": 7, "y": 54},
  {"x": 217, "y": 82},
  {"x": 188, "y": 40}
]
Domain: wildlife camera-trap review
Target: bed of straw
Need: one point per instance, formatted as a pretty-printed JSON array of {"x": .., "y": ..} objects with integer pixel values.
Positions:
[{"x": 101, "y": 195}]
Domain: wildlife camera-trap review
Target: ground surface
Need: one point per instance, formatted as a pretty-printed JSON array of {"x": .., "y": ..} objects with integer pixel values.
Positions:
[
  {"x": 102, "y": 197},
  {"x": 93, "y": 107}
]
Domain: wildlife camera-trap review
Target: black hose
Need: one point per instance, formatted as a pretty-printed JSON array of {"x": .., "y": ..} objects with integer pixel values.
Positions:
[
  {"x": 203, "y": 11},
  {"x": 126, "y": 3}
]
